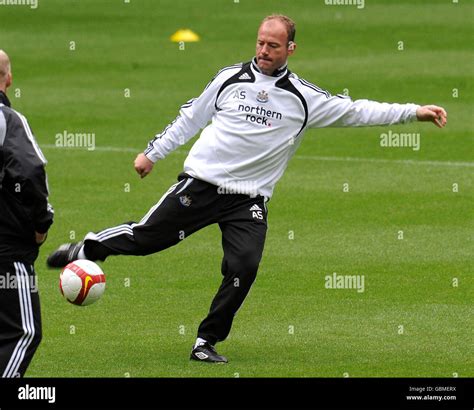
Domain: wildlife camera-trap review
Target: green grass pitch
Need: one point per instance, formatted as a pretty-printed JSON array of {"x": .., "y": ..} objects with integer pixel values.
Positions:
[{"x": 405, "y": 222}]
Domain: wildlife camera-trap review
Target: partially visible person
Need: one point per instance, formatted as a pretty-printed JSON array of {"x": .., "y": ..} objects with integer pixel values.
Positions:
[{"x": 25, "y": 217}]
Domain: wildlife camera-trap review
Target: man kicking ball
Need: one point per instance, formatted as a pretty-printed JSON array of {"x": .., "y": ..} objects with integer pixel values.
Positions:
[{"x": 259, "y": 111}]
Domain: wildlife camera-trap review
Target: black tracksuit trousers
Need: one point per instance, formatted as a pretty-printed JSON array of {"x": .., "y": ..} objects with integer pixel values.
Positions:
[
  {"x": 20, "y": 318},
  {"x": 186, "y": 207}
]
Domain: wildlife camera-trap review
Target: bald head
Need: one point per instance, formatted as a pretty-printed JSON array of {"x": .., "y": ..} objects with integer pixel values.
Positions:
[
  {"x": 5, "y": 71},
  {"x": 288, "y": 23}
]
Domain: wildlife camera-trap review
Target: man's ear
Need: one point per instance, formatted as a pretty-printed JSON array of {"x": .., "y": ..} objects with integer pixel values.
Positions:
[
  {"x": 9, "y": 80},
  {"x": 291, "y": 47}
]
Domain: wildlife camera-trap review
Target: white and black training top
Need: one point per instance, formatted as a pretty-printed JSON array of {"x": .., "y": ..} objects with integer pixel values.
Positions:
[{"x": 258, "y": 122}]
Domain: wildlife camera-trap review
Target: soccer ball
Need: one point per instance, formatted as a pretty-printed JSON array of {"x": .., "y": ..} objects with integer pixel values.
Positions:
[{"x": 82, "y": 282}]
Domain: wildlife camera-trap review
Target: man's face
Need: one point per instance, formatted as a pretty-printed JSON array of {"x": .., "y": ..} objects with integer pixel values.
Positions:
[
  {"x": 272, "y": 46},
  {"x": 5, "y": 71}
]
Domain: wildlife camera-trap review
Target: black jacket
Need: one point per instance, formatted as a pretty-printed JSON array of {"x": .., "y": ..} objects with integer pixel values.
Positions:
[{"x": 24, "y": 206}]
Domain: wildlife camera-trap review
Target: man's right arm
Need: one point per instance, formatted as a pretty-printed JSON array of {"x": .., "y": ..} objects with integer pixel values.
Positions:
[{"x": 193, "y": 116}]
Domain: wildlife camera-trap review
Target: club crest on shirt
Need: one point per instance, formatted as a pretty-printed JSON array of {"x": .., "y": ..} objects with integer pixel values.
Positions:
[
  {"x": 185, "y": 200},
  {"x": 262, "y": 96}
]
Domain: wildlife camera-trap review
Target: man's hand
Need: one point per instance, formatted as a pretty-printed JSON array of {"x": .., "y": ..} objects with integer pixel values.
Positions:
[
  {"x": 143, "y": 165},
  {"x": 41, "y": 237},
  {"x": 433, "y": 113}
]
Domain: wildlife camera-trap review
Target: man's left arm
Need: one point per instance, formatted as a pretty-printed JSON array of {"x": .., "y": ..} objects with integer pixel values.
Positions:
[{"x": 341, "y": 111}]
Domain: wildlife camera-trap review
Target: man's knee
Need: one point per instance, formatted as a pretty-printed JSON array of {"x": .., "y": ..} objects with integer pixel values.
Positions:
[{"x": 243, "y": 265}]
